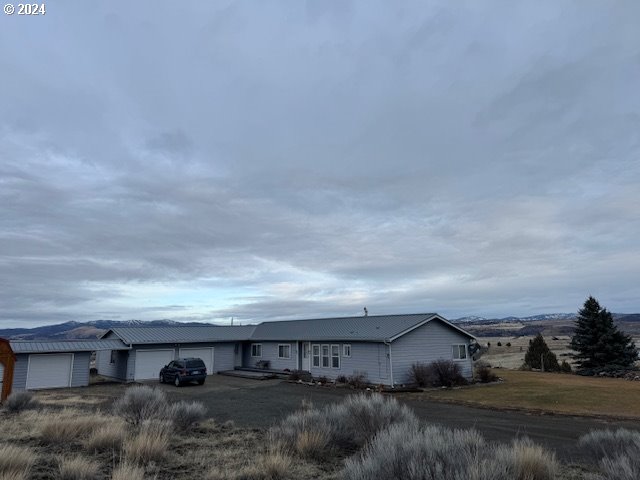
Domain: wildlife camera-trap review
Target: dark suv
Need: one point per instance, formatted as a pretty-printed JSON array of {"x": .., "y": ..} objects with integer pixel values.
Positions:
[{"x": 184, "y": 370}]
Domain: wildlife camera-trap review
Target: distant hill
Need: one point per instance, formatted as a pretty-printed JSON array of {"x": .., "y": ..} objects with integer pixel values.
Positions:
[
  {"x": 81, "y": 330},
  {"x": 547, "y": 324}
]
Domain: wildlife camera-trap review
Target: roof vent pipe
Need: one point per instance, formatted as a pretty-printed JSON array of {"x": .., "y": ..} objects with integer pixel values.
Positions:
[{"x": 366, "y": 312}]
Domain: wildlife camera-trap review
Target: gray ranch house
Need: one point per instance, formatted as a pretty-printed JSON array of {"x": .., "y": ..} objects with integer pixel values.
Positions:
[{"x": 383, "y": 347}]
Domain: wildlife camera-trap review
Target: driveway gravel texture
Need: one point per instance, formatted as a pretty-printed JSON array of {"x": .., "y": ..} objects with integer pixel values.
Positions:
[{"x": 262, "y": 403}]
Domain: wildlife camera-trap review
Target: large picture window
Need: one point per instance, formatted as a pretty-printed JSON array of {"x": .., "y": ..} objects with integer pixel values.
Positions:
[
  {"x": 335, "y": 356},
  {"x": 284, "y": 351},
  {"x": 459, "y": 352},
  {"x": 316, "y": 356},
  {"x": 325, "y": 356},
  {"x": 256, "y": 350}
]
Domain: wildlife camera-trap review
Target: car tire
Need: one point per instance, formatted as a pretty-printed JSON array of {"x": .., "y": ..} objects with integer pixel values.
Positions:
[
  {"x": 176, "y": 382},
  {"x": 200, "y": 382},
  {"x": 161, "y": 378}
]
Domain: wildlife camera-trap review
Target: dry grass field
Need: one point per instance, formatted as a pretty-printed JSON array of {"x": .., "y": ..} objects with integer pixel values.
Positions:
[
  {"x": 512, "y": 356},
  {"x": 551, "y": 392}
]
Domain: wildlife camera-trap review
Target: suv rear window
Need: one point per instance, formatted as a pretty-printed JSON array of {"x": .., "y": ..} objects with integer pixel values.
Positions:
[{"x": 195, "y": 364}]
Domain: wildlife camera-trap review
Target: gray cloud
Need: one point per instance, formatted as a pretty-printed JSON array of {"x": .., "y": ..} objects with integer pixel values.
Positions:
[{"x": 278, "y": 160}]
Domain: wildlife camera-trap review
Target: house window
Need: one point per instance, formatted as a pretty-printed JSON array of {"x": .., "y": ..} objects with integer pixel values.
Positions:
[
  {"x": 459, "y": 352},
  {"x": 325, "y": 356},
  {"x": 335, "y": 356},
  {"x": 305, "y": 350},
  {"x": 346, "y": 351},
  {"x": 316, "y": 355},
  {"x": 256, "y": 350},
  {"x": 284, "y": 351},
  {"x": 112, "y": 359}
]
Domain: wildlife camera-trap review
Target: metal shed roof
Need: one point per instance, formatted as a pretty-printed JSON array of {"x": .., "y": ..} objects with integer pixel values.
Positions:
[
  {"x": 24, "y": 346},
  {"x": 183, "y": 334}
]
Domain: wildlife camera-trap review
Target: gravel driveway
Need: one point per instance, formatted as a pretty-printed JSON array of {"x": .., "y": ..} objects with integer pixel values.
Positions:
[{"x": 261, "y": 403}]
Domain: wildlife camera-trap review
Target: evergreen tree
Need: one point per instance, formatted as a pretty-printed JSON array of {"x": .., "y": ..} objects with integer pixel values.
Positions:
[
  {"x": 598, "y": 342},
  {"x": 538, "y": 353}
]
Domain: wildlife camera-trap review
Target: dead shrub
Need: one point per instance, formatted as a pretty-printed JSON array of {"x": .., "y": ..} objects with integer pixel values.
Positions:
[
  {"x": 15, "y": 462},
  {"x": 127, "y": 471},
  {"x": 526, "y": 461},
  {"x": 275, "y": 464},
  {"x": 186, "y": 414},
  {"x": 149, "y": 444},
  {"x": 358, "y": 380},
  {"x": 484, "y": 373},
  {"x": 19, "y": 401},
  {"x": 311, "y": 444},
  {"x": 77, "y": 468},
  {"x": 618, "y": 452},
  {"x": 141, "y": 403},
  {"x": 107, "y": 437},
  {"x": 440, "y": 373}
]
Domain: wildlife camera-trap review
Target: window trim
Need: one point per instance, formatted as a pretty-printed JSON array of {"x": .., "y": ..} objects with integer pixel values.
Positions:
[
  {"x": 328, "y": 357},
  {"x": 256, "y": 345},
  {"x": 284, "y": 345},
  {"x": 332, "y": 356},
  {"x": 313, "y": 356},
  {"x": 455, "y": 348},
  {"x": 344, "y": 350}
]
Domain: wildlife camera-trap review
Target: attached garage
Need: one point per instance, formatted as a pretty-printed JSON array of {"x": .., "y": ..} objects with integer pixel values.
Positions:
[
  {"x": 149, "y": 363},
  {"x": 206, "y": 354},
  {"x": 52, "y": 370}
]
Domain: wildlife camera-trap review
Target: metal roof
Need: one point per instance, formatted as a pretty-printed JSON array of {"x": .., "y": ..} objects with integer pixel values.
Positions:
[
  {"x": 373, "y": 328},
  {"x": 377, "y": 328},
  {"x": 183, "y": 334},
  {"x": 24, "y": 346}
]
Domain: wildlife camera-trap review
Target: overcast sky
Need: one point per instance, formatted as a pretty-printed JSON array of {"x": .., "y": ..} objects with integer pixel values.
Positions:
[{"x": 292, "y": 159}]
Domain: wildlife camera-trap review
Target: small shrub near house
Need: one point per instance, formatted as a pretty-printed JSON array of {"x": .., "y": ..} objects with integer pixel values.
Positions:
[
  {"x": 20, "y": 401},
  {"x": 141, "y": 403},
  {"x": 484, "y": 373},
  {"x": 441, "y": 373},
  {"x": 358, "y": 380}
]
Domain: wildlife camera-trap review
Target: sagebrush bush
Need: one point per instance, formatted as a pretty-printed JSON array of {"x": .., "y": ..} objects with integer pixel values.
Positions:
[
  {"x": 141, "y": 403},
  {"x": 275, "y": 464},
  {"x": 78, "y": 468},
  {"x": 184, "y": 415},
  {"x": 15, "y": 462},
  {"x": 440, "y": 373},
  {"x": 107, "y": 437},
  {"x": 618, "y": 452},
  {"x": 127, "y": 471},
  {"x": 346, "y": 425},
  {"x": 411, "y": 452},
  {"x": 19, "y": 401}
]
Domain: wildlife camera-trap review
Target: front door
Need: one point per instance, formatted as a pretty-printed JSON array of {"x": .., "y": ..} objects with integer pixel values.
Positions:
[{"x": 306, "y": 356}]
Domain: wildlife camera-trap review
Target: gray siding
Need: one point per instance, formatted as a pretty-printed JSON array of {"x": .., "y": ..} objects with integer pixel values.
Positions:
[
  {"x": 270, "y": 353},
  {"x": 20, "y": 372},
  {"x": 366, "y": 357},
  {"x": 223, "y": 355},
  {"x": 116, "y": 370},
  {"x": 79, "y": 375},
  {"x": 433, "y": 341}
]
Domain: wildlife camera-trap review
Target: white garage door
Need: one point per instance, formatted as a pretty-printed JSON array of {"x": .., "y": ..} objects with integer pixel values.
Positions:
[
  {"x": 49, "y": 371},
  {"x": 149, "y": 363},
  {"x": 206, "y": 354}
]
